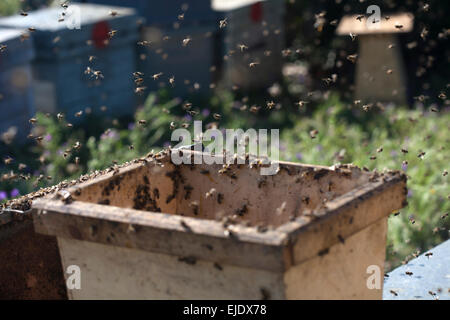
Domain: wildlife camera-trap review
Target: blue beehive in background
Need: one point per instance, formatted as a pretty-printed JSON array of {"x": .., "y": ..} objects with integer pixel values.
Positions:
[
  {"x": 191, "y": 65},
  {"x": 65, "y": 39},
  {"x": 16, "y": 97}
]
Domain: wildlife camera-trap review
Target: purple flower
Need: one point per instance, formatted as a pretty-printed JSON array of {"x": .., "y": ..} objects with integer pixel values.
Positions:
[
  {"x": 319, "y": 147},
  {"x": 394, "y": 153},
  {"x": 48, "y": 137},
  {"x": 188, "y": 117},
  {"x": 410, "y": 193},
  {"x": 131, "y": 126},
  {"x": 3, "y": 195},
  {"x": 404, "y": 166},
  {"x": 299, "y": 156},
  {"x": 206, "y": 112},
  {"x": 14, "y": 193}
]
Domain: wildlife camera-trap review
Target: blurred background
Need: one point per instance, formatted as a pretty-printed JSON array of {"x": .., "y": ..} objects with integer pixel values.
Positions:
[{"x": 73, "y": 101}]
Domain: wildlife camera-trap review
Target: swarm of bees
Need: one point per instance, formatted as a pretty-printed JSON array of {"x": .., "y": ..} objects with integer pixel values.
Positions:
[{"x": 240, "y": 49}]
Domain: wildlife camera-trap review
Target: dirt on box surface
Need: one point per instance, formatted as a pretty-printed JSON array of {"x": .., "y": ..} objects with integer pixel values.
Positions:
[{"x": 30, "y": 265}]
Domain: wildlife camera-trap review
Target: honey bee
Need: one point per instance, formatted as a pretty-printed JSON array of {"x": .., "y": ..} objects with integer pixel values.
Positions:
[
  {"x": 8, "y": 160},
  {"x": 172, "y": 126},
  {"x": 23, "y": 13},
  {"x": 157, "y": 76},
  {"x": 380, "y": 149},
  {"x": 360, "y": 17},
  {"x": 253, "y": 64},
  {"x": 270, "y": 105},
  {"x": 112, "y": 33},
  {"x": 398, "y": 25},
  {"x": 186, "y": 41},
  {"x": 242, "y": 47},
  {"x": 31, "y": 29},
  {"x": 223, "y": 23},
  {"x": 409, "y": 273},
  {"x": 428, "y": 254},
  {"x": 92, "y": 58},
  {"x": 60, "y": 116},
  {"x": 393, "y": 292},
  {"x": 389, "y": 71},
  {"x": 3, "y": 47},
  {"x": 181, "y": 16},
  {"x": 301, "y": 103},
  {"x": 142, "y": 122},
  {"x": 210, "y": 193},
  {"x": 172, "y": 81},
  {"x": 313, "y": 133},
  {"x": 144, "y": 43},
  {"x": 32, "y": 120},
  {"x": 113, "y": 13},
  {"x": 79, "y": 113},
  {"x": 352, "y": 36},
  {"x": 140, "y": 90},
  {"x": 97, "y": 74},
  {"x": 217, "y": 116},
  {"x": 352, "y": 58}
]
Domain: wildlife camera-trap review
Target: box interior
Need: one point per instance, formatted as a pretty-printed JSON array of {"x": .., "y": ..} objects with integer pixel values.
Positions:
[{"x": 240, "y": 195}]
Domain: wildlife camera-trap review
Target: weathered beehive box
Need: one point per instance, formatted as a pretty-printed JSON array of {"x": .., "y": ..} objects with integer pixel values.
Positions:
[
  {"x": 16, "y": 94},
  {"x": 30, "y": 265},
  {"x": 155, "y": 230},
  {"x": 67, "y": 42}
]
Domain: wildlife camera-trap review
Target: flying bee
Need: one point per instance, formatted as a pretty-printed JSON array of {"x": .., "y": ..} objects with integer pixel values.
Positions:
[
  {"x": 253, "y": 64},
  {"x": 79, "y": 114},
  {"x": 409, "y": 273},
  {"x": 112, "y": 33},
  {"x": 254, "y": 109},
  {"x": 113, "y": 13},
  {"x": 172, "y": 81},
  {"x": 69, "y": 125},
  {"x": 172, "y": 126},
  {"x": 360, "y": 17},
  {"x": 428, "y": 254},
  {"x": 270, "y": 105},
  {"x": 442, "y": 96},
  {"x": 140, "y": 90},
  {"x": 92, "y": 58},
  {"x": 185, "y": 125},
  {"x": 186, "y": 41},
  {"x": 157, "y": 76},
  {"x": 404, "y": 150},
  {"x": 313, "y": 133},
  {"x": 445, "y": 173},
  {"x": 3, "y": 47},
  {"x": 97, "y": 74},
  {"x": 242, "y": 47},
  {"x": 32, "y": 120},
  {"x": 24, "y": 36},
  {"x": 23, "y": 14},
  {"x": 60, "y": 116},
  {"x": 31, "y": 29},
  {"x": 8, "y": 160},
  {"x": 352, "y": 36},
  {"x": 421, "y": 154},
  {"x": 217, "y": 116},
  {"x": 398, "y": 25},
  {"x": 301, "y": 103},
  {"x": 352, "y": 58},
  {"x": 223, "y": 23},
  {"x": 192, "y": 112},
  {"x": 394, "y": 293},
  {"x": 144, "y": 43},
  {"x": 210, "y": 193},
  {"x": 380, "y": 149},
  {"x": 142, "y": 122},
  {"x": 389, "y": 71},
  {"x": 391, "y": 45},
  {"x": 181, "y": 16}
]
